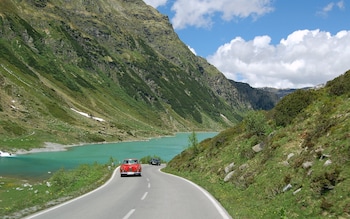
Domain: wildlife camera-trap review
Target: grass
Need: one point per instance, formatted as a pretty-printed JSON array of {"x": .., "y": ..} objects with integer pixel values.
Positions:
[
  {"x": 302, "y": 171},
  {"x": 20, "y": 197},
  {"x": 50, "y": 64},
  {"x": 67, "y": 71}
]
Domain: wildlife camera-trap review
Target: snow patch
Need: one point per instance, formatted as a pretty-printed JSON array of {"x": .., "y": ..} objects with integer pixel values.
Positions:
[{"x": 88, "y": 115}]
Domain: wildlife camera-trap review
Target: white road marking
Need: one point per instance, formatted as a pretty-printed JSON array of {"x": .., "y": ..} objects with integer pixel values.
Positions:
[
  {"x": 129, "y": 214},
  {"x": 75, "y": 199},
  {"x": 217, "y": 205},
  {"x": 144, "y": 196},
  {"x": 149, "y": 185}
]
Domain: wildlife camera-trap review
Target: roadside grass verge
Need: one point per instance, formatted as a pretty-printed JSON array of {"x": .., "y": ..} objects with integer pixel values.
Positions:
[
  {"x": 300, "y": 170},
  {"x": 264, "y": 185},
  {"x": 23, "y": 197}
]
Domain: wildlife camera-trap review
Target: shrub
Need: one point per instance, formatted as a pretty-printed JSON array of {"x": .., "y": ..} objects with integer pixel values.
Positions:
[
  {"x": 340, "y": 85},
  {"x": 291, "y": 105},
  {"x": 256, "y": 123},
  {"x": 193, "y": 142}
]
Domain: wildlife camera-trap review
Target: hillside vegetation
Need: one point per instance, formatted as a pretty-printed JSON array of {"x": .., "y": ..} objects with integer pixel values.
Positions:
[
  {"x": 290, "y": 162},
  {"x": 107, "y": 70}
]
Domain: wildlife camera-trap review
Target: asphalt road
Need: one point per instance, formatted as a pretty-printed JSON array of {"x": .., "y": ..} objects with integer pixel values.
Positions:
[{"x": 154, "y": 195}]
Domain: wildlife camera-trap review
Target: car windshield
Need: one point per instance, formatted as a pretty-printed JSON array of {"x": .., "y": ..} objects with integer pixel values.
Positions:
[{"x": 130, "y": 161}]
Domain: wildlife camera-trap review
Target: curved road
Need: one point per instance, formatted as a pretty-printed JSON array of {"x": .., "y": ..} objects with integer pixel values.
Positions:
[{"x": 154, "y": 195}]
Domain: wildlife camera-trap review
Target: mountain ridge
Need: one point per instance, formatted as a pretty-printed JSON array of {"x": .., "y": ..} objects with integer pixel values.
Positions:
[{"x": 112, "y": 59}]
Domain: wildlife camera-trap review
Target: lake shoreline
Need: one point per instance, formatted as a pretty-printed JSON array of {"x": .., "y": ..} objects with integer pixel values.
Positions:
[
  {"x": 38, "y": 162},
  {"x": 49, "y": 147},
  {"x": 56, "y": 147}
]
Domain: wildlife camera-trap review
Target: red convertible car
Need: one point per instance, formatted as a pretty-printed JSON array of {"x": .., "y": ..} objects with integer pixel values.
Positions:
[{"x": 130, "y": 167}]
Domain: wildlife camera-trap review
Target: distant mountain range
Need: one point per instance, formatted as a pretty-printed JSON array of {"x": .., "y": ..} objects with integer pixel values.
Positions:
[{"x": 283, "y": 92}]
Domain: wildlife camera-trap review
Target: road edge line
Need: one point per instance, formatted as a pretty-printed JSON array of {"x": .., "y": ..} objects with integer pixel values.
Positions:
[
  {"x": 74, "y": 199},
  {"x": 216, "y": 203}
]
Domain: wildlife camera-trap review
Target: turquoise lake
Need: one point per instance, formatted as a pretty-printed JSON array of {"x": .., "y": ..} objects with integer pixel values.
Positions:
[{"x": 39, "y": 165}]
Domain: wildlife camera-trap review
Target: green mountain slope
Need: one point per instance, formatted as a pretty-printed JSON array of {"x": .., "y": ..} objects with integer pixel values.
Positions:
[
  {"x": 93, "y": 71},
  {"x": 290, "y": 162}
]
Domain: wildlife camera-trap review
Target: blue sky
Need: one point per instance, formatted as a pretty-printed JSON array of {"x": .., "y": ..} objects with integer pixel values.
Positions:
[{"x": 266, "y": 43}]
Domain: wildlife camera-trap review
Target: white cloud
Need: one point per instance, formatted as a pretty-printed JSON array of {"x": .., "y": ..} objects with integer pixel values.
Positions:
[
  {"x": 330, "y": 7},
  {"x": 341, "y": 5},
  {"x": 192, "y": 50},
  {"x": 199, "y": 13},
  {"x": 155, "y": 3},
  {"x": 304, "y": 58}
]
